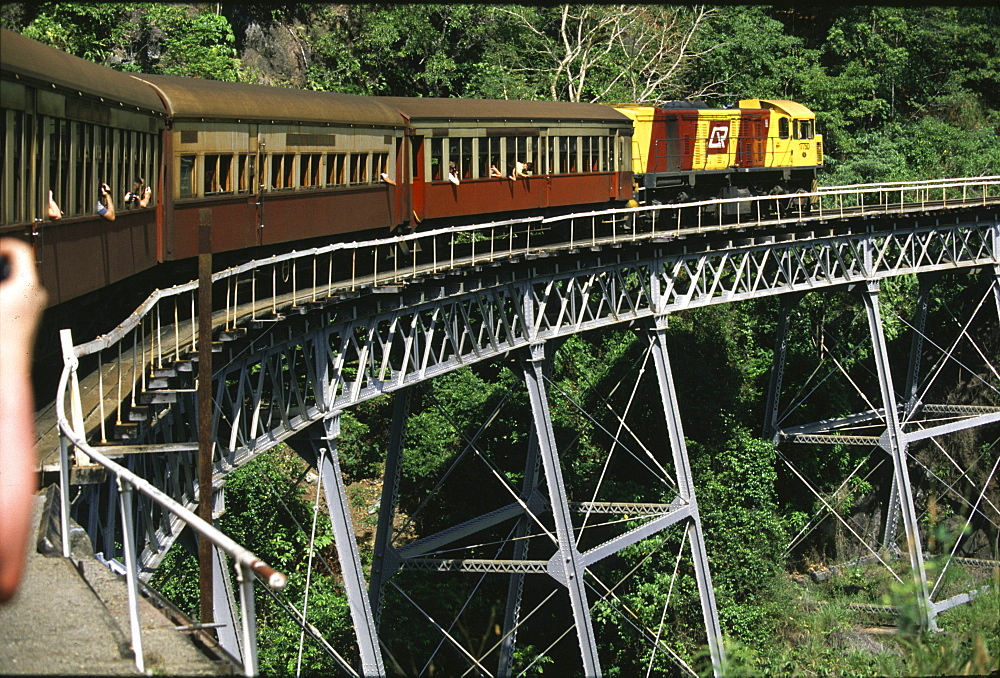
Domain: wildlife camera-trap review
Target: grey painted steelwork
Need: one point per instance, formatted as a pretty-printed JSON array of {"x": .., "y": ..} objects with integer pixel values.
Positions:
[
  {"x": 788, "y": 303},
  {"x": 567, "y": 566},
  {"x": 328, "y": 464},
  {"x": 388, "y": 350},
  {"x": 384, "y": 561},
  {"x": 515, "y": 587},
  {"x": 678, "y": 448},
  {"x": 328, "y": 357},
  {"x": 895, "y": 445},
  {"x": 226, "y": 612}
]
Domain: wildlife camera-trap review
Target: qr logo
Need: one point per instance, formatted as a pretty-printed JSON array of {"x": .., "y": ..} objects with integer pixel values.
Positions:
[{"x": 718, "y": 137}]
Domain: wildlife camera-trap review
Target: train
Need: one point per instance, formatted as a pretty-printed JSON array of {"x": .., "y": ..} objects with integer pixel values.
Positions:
[{"x": 270, "y": 168}]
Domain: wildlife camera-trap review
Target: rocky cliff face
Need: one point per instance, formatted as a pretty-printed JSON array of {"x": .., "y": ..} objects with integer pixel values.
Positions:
[{"x": 275, "y": 52}]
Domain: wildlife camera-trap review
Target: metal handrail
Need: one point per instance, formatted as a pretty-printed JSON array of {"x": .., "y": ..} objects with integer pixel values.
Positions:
[
  {"x": 578, "y": 236},
  {"x": 247, "y": 564}
]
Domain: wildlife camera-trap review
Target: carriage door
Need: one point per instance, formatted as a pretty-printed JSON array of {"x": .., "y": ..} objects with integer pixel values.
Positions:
[{"x": 250, "y": 184}]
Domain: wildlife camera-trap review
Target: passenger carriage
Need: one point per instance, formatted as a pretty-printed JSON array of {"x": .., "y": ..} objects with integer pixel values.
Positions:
[
  {"x": 268, "y": 165},
  {"x": 512, "y": 157},
  {"x": 69, "y": 125}
]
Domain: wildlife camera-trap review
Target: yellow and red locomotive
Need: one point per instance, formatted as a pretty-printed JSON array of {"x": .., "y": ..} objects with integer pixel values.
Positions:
[{"x": 686, "y": 150}]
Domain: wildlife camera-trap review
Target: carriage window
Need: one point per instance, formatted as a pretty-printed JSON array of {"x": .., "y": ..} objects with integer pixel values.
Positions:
[
  {"x": 218, "y": 174},
  {"x": 489, "y": 156},
  {"x": 509, "y": 153},
  {"x": 523, "y": 153},
  {"x": 589, "y": 159},
  {"x": 13, "y": 175},
  {"x": 465, "y": 157},
  {"x": 436, "y": 158},
  {"x": 282, "y": 171},
  {"x": 309, "y": 170},
  {"x": 380, "y": 164},
  {"x": 335, "y": 164},
  {"x": 805, "y": 129},
  {"x": 448, "y": 157},
  {"x": 358, "y": 167},
  {"x": 246, "y": 173},
  {"x": 783, "y": 128},
  {"x": 187, "y": 176}
]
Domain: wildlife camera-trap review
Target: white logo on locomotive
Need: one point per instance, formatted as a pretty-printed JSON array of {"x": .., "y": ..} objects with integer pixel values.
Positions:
[{"x": 718, "y": 136}]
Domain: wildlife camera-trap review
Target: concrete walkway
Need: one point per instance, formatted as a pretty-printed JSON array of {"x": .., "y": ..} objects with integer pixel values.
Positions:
[{"x": 70, "y": 618}]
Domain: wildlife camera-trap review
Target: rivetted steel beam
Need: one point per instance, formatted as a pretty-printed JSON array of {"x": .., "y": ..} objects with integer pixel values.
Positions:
[
  {"x": 384, "y": 560},
  {"x": 647, "y": 529},
  {"x": 917, "y": 342},
  {"x": 895, "y": 442},
  {"x": 788, "y": 302},
  {"x": 820, "y": 439},
  {"x": 481, "y": 565},
  {"x": 225, "y": 610},
  {"x": 685, "y": 485},
  {"x": 460, "y": 531},
  {"x": 515, "y": 585},
  {"x": 826, "y": 426},
  {"x": 943, "y": 429},
  {"x": 335, "y": 493},
  {"x": 612, "y": 507},
  {"x": 566, "y": 565},
  {"x": 958, "y": 410}
]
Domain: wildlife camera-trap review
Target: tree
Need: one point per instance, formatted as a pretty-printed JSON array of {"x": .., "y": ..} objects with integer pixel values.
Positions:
[{"x": 601, "y": 53}]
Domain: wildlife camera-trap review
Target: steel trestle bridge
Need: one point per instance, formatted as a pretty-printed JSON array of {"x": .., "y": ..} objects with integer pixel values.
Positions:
[{"x": 300, "y": 338}]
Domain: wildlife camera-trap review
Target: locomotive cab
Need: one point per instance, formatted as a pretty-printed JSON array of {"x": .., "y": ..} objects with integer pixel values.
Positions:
[{"x": 791, "y": 139}]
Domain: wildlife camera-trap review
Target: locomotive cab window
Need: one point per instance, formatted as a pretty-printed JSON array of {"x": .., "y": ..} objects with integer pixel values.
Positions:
[
  {"x": 783, "y": 130},
  {"x": 804, "y": 129}
]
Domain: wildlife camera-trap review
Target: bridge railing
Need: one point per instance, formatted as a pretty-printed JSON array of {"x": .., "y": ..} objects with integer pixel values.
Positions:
[
  {"x": 148, "y": 358},
  {"x": 248, "y": 566}
]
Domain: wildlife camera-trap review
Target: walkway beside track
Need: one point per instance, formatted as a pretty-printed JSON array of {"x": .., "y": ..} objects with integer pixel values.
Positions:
[{"x": 66, "y": 620}]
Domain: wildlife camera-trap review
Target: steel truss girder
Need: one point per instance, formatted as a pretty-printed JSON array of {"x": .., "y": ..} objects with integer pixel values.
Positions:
[
  {"x": 896, "y": 446},
  {"x": 259, "y": 404},
  {"x": 662, "y": 516},
  {"x": 334, "y": 359},
  {"x": 825, "y": 432}
]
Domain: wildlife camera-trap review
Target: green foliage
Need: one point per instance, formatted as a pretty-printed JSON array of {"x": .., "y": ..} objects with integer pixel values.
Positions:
[
  {"x": 267, "y": 512},
  {"x": 172, "y": 39},
  {"x": 748, "y": 53},
  {"x": 744, "y": 532},
  {"x": 87, "y": 30},
  {"x": 362, "y": 441},
  {"x": 405, "y": 50},
  {"x": 900, "y": 93},
  {"x": 200, "y": 45}
]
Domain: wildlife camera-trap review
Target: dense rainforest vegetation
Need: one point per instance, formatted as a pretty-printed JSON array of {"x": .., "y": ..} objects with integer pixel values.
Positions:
[{"x": 899, "y": 93}]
